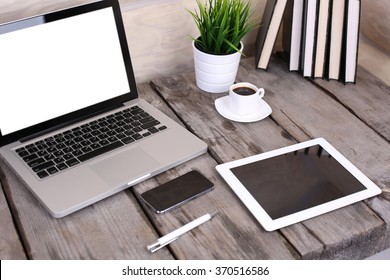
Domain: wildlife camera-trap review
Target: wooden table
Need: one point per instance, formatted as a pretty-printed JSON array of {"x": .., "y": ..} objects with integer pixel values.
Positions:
[{"x": 353, "y": 118}]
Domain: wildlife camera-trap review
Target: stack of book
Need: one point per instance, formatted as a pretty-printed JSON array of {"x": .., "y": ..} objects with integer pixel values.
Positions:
[{"x": 320, "y": 37}]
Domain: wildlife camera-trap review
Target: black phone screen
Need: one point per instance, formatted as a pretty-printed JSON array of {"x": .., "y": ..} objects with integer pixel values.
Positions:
[{"x": 176, "y": 192}]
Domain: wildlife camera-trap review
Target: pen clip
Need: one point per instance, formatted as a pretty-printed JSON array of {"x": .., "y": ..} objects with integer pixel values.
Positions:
[{"x": 157, "y": 246}]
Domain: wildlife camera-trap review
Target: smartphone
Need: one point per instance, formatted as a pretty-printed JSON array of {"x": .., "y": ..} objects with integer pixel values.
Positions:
[{"x": 177, "y": 192}]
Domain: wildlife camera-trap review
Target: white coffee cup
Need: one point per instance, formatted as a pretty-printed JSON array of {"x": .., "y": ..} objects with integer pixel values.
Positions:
[{"x": 244, "y": 98}]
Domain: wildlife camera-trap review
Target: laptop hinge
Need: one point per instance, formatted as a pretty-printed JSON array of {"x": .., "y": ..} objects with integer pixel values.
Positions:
[{"x": 57, "y": 127}]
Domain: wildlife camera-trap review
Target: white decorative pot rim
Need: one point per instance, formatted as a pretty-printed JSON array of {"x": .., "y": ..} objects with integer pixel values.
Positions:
[{"x": 217, "y": 58}]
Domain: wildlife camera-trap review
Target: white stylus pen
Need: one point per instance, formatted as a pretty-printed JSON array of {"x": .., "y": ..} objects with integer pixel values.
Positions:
[{"x": 172, "y": 236}]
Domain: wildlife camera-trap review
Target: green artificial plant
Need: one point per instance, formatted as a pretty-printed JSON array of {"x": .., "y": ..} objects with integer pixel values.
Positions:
[{"x": 222, "y": 25}]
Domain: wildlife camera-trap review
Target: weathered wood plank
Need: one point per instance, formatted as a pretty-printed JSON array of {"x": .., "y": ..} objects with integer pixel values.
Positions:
[
  {"x": 11, "y": 247},
  {"x": 299, "y": 104},
  {"x": 114, "y": 228},
  {"x": 369, "y": 99},
  {"x": 232, "y": 234},
  {"x": 229, "y": 140}
]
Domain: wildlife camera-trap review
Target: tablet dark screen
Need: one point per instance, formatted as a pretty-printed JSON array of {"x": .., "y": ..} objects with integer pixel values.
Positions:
[{"x": 296, "y": 181}]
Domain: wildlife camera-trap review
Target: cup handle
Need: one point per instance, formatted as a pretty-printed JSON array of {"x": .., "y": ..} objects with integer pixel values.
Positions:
[{"x": 261, "y": 92}]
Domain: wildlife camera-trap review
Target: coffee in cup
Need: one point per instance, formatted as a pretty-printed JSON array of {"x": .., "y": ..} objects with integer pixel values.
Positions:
[
  {"x": 244, "y": 91},
  {"x": 244, "y": 98}
]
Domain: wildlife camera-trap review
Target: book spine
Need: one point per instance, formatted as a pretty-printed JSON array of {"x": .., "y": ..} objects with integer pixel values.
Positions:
[
  {"x": 336, "y": 37},
  {"x": 315, "y": 36},
  {"x": 296, "y": 35},
  {"x": 309, "y": 36},
  {"x": 303, "y": 37},
  {"x": 322, "y": 38},
  {"x": 357, "y": 43},
  {"x": 263, "y": 30},
  {"x": 351, "y": 42},
  {"x": 274, "y": 16}
]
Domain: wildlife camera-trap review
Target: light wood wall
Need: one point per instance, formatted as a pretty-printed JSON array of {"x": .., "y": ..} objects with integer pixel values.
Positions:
[
  {"x": 375, "y": 22},
  {"x": 157, "y": 31}
]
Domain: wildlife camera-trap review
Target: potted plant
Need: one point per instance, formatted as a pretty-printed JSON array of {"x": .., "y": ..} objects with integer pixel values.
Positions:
[{"x": 217, "y": 51}]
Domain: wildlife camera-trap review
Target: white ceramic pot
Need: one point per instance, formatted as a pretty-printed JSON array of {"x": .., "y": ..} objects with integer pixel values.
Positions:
[{"x": 215, "y": 73}]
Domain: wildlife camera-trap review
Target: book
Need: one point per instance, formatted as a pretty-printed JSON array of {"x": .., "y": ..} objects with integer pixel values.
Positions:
[
  {"x": 268, "y": 31},
  {"x": 309, "y": 36},
  {"x": 292, "y": 32},
  {"x": 335, "y": 39},
  {"x": 322, "y": 37},
  {"x": 351, "y": 41}
]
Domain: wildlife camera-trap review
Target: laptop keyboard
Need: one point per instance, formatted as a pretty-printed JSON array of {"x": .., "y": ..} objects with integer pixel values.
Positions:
[{"x": 59, "y": 152}]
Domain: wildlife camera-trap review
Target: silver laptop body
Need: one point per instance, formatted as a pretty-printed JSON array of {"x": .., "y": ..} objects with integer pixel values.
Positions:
[{"x": 63, "y": 75}]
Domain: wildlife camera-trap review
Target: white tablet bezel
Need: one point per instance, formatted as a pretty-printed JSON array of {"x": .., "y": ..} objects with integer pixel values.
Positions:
[{"x": 261, "y": 215}]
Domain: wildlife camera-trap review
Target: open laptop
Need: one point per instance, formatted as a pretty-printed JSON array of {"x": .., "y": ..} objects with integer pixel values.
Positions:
[{"x": 72, "y": 125}]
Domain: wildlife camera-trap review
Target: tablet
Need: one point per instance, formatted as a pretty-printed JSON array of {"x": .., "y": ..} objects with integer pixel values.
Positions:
[{"x": 295, "y": 183}]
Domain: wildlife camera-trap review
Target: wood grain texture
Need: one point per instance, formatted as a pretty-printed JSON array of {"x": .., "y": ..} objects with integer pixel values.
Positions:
[
  {"x": 158, "y": 37},
  {"x": 11, "y": 247},
  {"x": 369, "y": 100},
  {"x": 157, "y": 31},
  {"x": 374, "y": 59},
  {"x": 301, "y": 111},
  {"x": 232, "y": 234},
  {"x": 11, "y": 10},
  {"x": 375, "y": 22},
  {"x": 303, "y": 105},
  {"x": 114, "y": 228}
]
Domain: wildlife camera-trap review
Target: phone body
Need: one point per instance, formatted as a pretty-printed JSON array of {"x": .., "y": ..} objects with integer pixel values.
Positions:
[{"x": 177, "y": 191}]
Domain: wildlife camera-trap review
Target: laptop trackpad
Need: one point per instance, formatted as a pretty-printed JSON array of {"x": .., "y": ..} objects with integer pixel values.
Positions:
[{"x": 124, "y": 167}]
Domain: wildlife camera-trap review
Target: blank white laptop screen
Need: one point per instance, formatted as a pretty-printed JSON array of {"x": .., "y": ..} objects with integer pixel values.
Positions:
[{"x": 48, "y": 78}]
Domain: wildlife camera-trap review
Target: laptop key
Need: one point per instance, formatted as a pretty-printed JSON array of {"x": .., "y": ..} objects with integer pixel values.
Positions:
[
  {"x": 43, "y": 166},
  {"x": 104, "y": 143},
  {"x": 52, "y": 170},
  {"x": 36, "y": 162},
  {"x": 42, "y": 174},
  {"x": 147, "y": 119},
  {"x": 137, "y": 136},
  {"x": 150, "y": 124},
  {"x": 58, "y": 160},
  {"x": 33, "y": 150},
  {"x": 86, "y": 149},
  {"x": 77, "y": 153},
  {"x": 72, "y": 162},
  {"x": 153, "y": 130},
  {"x": 49, "y": 157},
  {"x": 68, "y": 156},
  {"x": 22, "y": 153},
  {"x": 127, "y": 140},
  {"x": 30, "y": 157},
  {"x": 100, "y": 151},
  {"x": 62, "y": 166},
  {"x": 20, "y": 150}
]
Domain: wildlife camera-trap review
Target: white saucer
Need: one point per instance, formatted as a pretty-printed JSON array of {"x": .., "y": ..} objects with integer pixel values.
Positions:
[{"x": 223, "y": 107}]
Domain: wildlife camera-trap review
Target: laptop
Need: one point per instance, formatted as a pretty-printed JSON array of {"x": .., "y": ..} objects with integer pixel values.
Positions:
[{"x": 71, "y": 123}]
